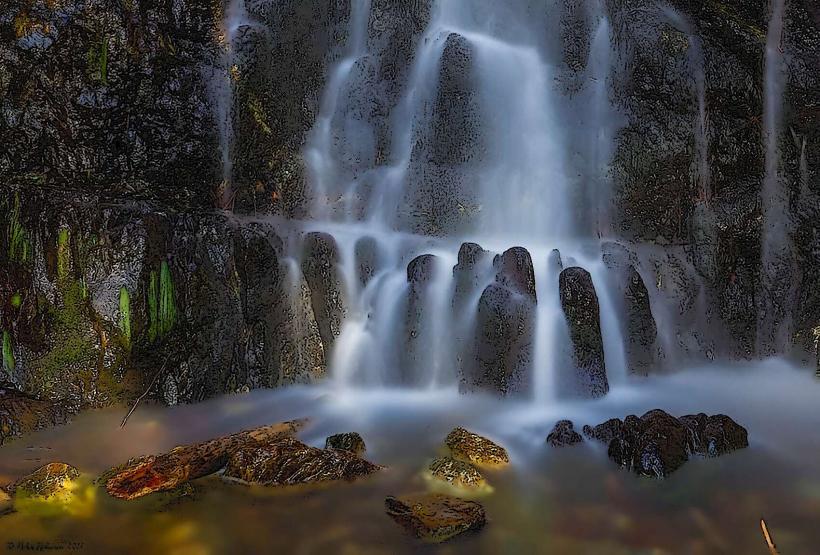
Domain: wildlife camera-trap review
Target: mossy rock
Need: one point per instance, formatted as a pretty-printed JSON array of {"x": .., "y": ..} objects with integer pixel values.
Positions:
[{"x": 475, "y": 449}]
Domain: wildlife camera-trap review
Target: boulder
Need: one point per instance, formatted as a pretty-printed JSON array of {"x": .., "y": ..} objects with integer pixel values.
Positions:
[
  {"x": 22, "y": 414},
  {"x": 657, "y": 444},
  {"x": 475, "y": 449},
  {"x": 435, "y": 518},
  {"x": 714, "y": 435},
  {"x": 503, "y": 340},
  {"x": 580, "y": 304},
  {"x": 49, "y": 481},
  {"x": 515, "y": 271},
  {"x": 319, "y": 266},
  {"x": 563, "y": 435},
  {"x": 467, "y": 273},
  {"x": 456, "y": 473},
  {"x": 288, "y": 462},
  {"x": 351, "y": 442}
]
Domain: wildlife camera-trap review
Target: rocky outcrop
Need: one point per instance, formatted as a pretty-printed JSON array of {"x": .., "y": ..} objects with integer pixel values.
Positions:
[
  {"x": 580, "y": 304},
  {"x": 475, "y": 449},
  {"x": 504, "y": 328},
  {"x": 319, "y": 266},
  {"x": 435, "y": 518},
  {"x": 289, "y": 462},
  {"x": 638, "y": 327},
  {"x": 563, "y": 434},
  {"x": 456, "y": 473},
  {"x": 350, "y": 441},
  {"x": 657, "y": 444}
]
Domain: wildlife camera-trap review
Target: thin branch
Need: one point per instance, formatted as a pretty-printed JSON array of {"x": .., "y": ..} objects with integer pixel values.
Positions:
[
  {"x": 141, "y": 397},
  {"x": 768, "y": 538}
]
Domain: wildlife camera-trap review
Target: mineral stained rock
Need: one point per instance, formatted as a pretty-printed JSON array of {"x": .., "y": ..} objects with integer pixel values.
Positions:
[
  {"x": 351, "y": 441},
  {"x": 456, "y": 473},
  {"x": 435, "y": 518},
  {"x": 475, "y": 449}
]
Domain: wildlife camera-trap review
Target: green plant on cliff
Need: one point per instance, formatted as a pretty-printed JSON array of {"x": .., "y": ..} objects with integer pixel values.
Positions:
[
  {"x": 162, "y": 310},
  {"x": 63, "y": 254},
  {"x": 125, "y": 316},
  {"x": 98, "y": 61},
  {"x": 8, "y": 352},
  {"x": 19, "y": 246}
]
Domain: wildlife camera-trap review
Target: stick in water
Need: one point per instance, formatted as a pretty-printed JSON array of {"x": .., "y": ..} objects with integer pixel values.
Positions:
[
  {"x": 768, "y": 538},
  {"x": 141, "y": 397}
]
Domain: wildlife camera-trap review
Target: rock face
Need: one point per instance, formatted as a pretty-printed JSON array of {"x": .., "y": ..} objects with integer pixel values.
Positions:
[
  {"x": 657, "y": 444},
  {"x": 456, "y": 473},
  {"x": 321, "y": 255},
  {"x": 351, "y": 442},
  {"x": 515, "y": 271},
  {"x": 563, "y": 434},
  {"x": 289, "y": 462},
  {"x": 21, "y": 414},
  {"x": 475, "y": 449},
  {"x": 435, "y": 518},
  {"x": 580, "y": 304}
]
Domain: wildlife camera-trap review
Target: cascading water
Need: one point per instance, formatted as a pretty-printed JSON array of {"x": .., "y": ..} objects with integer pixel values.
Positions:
[
  {"x": 481, "y": 145},
  {"x": 777, "y": 289}
]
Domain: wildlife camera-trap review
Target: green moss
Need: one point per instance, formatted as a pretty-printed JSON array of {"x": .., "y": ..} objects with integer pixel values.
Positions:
[
  {"x": 161, "y": 303},
  {"x": 16, "y": 300},
  {"x": 8, "y": 352},
  {"x": 18, "y": 244},
  {"x": 125, "y": 316},
  {"x": 258, "y": 113},
  {"x": 63, "y": 254},
  {"x": 98, "y": 61}
]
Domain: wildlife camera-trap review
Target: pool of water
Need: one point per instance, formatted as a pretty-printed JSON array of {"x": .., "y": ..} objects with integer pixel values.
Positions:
[{"x": 571, "y": 500}]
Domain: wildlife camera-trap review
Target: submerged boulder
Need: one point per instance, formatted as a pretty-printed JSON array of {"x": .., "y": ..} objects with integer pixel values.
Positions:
[
  {"x": 319, "y": 266},
  {"x": 351, "y": 442},
  {"x": 50, "y": 480},
  {"x": 475, "y": 449},
  {"x": 580, "y": 304},
  {"x": 563, "y": 434},
  {"x": 456, "y": 473},
  {"x": 288, "y": 462},
  {"x": 657, "y": 444},
  {"x": 434, "y": 517}
]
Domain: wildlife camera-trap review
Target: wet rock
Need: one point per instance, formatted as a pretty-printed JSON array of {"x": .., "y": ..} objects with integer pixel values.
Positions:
[
  {"x": 657, "y": 444},
  {"x": 433, "y": 517},
  {"x": 503, "y": 341},
  {"x": 421, "y": 268},
  {"x": 641, "y": 332},
  {"x": 554, "y": 263},
  {"x": 516, "y": 272},
  {"x": 289, "y": 461},
  {"x": 21, "y": 414},
  {"x": 50, "y": 480},
  {"x": 319, "y": 266},
  {"x": 6, "y": 503},
  {"x": 367, "y": 258},
  {"x": 351, "y": 442},
  {"x": 580, "y": 303},
  {"x": 467, "y": 273},
  {"x": 456, "y": 473},
  {"x": 419, "y": 324},
  {"x": 475, "y": 449},
  {"x": 605, "y": 432},
  {"x": 563, "y": 435},
  {"x": 714, "y": 435}
]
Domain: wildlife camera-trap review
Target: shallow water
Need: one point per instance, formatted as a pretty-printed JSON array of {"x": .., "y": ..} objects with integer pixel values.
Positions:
[{"x": 572, "y": 500}]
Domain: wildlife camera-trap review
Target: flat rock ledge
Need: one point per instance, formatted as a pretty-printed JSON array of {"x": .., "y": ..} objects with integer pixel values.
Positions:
[
  {"x": 657, "y": 444},
  {"x": 435, "y": 518},
  {"x": 475, "y": 449}
]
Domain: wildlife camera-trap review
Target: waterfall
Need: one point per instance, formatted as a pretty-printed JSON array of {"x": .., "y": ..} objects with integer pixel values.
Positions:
[
  {"x": 776, "y": 287},
  {"x": 483, "y": 148}
]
